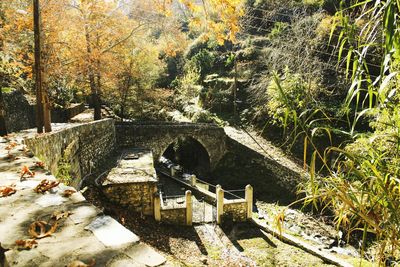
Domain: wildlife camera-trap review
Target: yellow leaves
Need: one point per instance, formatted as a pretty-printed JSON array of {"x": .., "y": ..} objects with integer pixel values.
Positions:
[
  {"x": 279, "y": 220},
  {"x": 195, "y": 23},
  {"x": 194, "y": 8},
  {"x": 45, "y": 185},
  {"x": 41, "y": 229}
]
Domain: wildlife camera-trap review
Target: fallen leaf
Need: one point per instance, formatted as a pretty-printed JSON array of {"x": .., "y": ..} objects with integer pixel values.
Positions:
[
  {"x": 26, "y": 244},
  {"x": 39, "y": 164},
  {"x": 68, "y": 192},
  {"x": 10, "y": 156},
  {"x": 82, "y": 264},
  {"x": 26, "y": 171},
  {"x": 45, "y": 185},
  {"x": 11, "y": 145},
  {"x": 57, "y": 215},
  {"x": 41, "y": 229},
  {"x": 6, "y": 191}
]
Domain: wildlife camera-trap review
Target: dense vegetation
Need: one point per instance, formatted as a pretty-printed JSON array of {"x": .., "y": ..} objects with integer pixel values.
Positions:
[{"x": 319, "y": 77}]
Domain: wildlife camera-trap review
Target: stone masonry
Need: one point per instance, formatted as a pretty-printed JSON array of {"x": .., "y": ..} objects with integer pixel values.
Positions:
[
  {"x": 159, "y": 135},
  {"x": 81, "y": 147},
  {"x": 133, "y": 182}
]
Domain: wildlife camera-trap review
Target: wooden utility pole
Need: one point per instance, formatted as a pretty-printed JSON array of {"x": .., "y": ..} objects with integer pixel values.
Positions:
[
  {"x": 42, "y": 106},
  {"x": 37, "y": 67}
]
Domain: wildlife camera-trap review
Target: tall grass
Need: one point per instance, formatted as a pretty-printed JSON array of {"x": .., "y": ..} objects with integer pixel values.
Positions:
[{"x": 361, "y": 185}]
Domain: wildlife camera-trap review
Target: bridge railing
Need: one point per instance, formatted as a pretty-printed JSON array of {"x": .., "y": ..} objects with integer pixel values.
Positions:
[
  {"x": 235, "y": 207},
  {"x": 166, "y": 123},
  {"x": 174, "y": 209}
]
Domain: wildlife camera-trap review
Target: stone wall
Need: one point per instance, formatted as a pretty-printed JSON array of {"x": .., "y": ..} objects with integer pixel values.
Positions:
[
  {"x": 76, "y": 149},
  {"x": 174, "y": 216},
  {"x": 159, "y": 135},
  {"x": 20, "y": 114},
  {"x": 137, "y": 196},
  {"x": 272, "y": 180},
  {"x": 65, "y": 114},
  {"x": 235, "y": 209}
]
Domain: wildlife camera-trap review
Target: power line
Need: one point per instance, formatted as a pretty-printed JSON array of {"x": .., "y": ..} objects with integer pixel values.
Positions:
[
  {"x": 329, "y": 66},
  {"x": 316, "y": 51},
  {"x": 276, "y": 13},
  {"x": 275, "y": 21},
  {"x": 334, "y": 47}
]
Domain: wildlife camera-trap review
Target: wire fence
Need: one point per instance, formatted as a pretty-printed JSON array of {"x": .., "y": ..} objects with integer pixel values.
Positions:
[
  {"x": 170, "y": 202},
  {"x": 235, "y": 195},
  {"x": 231, "y": 194}
]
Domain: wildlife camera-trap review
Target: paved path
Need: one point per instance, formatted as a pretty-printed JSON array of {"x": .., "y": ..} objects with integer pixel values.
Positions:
[{"x": 85, "y": 235}]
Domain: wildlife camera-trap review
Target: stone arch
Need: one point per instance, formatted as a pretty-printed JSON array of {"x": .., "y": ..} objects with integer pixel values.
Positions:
[
  {"x": 158, "y": 136},
  {"x": 195, "y": 155}
]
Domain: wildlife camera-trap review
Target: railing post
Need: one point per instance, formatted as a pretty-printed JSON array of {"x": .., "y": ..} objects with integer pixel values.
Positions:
[
  {"x": 157, "y": 207},
  {"x": 189, "y": 208},
  {"x": 220, "y": 203},
  {"x": 193, "y": 180},
  {"x": 172, "y": 171},
  {"x": 249, "y": 201}
]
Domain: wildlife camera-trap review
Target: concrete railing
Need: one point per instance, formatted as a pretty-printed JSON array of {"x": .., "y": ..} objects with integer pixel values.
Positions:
[
  {"x": 178, "y": 213},
  {"x": 240, "y": 209}
]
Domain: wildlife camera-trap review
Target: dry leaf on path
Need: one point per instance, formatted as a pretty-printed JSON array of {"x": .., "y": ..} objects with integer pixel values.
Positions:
[
  {"x": 26, "y": 171},
  {"x": 82, "y": 264},
  {"x": 6, "y": 191},
  {"x": 41, "y": 229},
  {"x": 57, "y": 215},
  {"x": 45, "y": 185},
  {"x": 11, "y": 145},
  {"x": 68, "y": 192},
  {"x": 39, "y": 164},
  {"x": 26, "y": 244}
]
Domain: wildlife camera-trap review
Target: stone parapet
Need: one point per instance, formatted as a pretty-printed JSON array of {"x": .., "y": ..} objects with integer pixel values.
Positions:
[{"x": 79, "y": 147}]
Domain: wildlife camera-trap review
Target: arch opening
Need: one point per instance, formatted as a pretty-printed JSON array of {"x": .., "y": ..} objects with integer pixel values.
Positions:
[{"x": 190, "y": 154}]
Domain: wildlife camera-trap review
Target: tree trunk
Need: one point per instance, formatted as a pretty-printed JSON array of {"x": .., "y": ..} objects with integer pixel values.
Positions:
[
  {"x": 125, "y": 96},
  {"x": 98, "y": 81},
  {"x": 92, "y": 81},
  {"x": 3, "y": 127},
  {"x": 37, "y": 68},
  {"x": 46, "y": 113}
]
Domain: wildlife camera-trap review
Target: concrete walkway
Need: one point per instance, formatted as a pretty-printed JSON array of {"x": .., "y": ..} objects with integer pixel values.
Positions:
[{"x": 85, "y": 235}]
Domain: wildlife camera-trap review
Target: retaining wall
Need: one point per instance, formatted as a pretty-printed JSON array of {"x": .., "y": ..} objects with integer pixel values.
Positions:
[
  {"x": 75, "y": 150},
  {"x": 235, "y": 209},
  {"x": 137, "y": 196},
  {"x": 174, "y": 215}
]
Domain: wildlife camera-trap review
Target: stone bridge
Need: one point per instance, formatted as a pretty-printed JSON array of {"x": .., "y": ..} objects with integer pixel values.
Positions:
[{"x": 159, "y": 135}]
